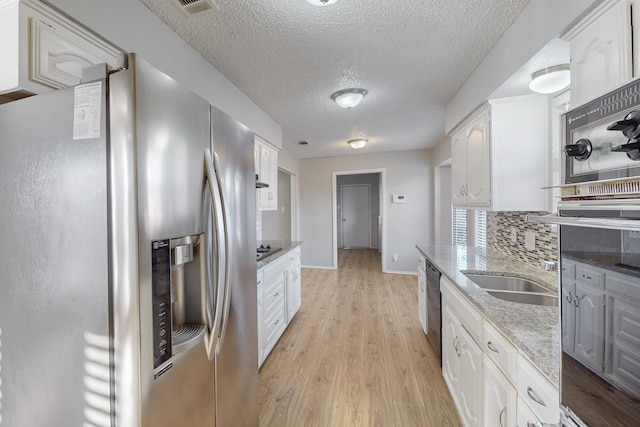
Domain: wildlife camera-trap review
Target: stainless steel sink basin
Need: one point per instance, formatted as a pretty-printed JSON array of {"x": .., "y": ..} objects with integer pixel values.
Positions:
[
  {"x": 505, "y": 283},
  {"x": 526, "y": 297}
]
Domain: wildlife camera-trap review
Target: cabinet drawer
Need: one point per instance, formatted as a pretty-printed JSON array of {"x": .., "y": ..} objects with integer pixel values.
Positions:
[
  {"x": 500, "y": 350},
  {"x": 590, "y": 276},
  {"x": 273, "y": 296},
  {"x": 293, "y": 255},
  {"x": 259, "y": 277},
  {"x": 274, "y": 325},
  {"x": 537, "y": 392},
  {"x": 469, "y": 316}
]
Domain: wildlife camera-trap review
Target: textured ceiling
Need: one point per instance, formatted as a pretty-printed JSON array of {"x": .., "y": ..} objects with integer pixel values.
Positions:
[{"x": 289, "y": 57}]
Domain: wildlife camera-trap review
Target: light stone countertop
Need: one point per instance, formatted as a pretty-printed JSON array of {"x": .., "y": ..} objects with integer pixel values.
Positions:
[
  {"x": 287, "y": 247},
  {"x": 534, "y": 329}
]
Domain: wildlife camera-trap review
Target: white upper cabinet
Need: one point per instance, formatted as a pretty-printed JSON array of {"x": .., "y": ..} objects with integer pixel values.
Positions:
[
  {"x": 601, "y": 51},
  {"x": 267, "y": 169},
  {"x": 499, "y": 157},
  {"x": 42, "y": 50}
]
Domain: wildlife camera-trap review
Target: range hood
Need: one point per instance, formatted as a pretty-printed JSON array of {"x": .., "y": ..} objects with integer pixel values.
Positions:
[{"x": 260, "y": 184}]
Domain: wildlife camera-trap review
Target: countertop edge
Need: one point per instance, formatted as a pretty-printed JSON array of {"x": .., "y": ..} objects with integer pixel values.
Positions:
[
  {"x": 286, "y": 248},
  {"x": 549, "y": 363}
]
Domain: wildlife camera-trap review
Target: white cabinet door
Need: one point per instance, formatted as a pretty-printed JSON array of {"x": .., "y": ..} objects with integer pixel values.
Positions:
[
  {"x": 458, "y": 169},
  {"x": 462, "y": 368},
  {"x": 422, "y": 298},
  {"x": 470, "y": 379},
  {"x": 601, "y": 52},
  {"x": 268, "y": 173},
  {"x": 261, "y": 343},
  {"x": 470, "y": 163},
  {"x": 500, "y": 398},
  {"x": 42, "y": 50},
  {"x": 568, "y": 315},
  {"x": 525, "y": 415},
  {"x": 589, "y": 321},
  {"x": 294, "y": 291},
  {"x": 449, "y": 348},
  {"x": 478, "y": 186}
]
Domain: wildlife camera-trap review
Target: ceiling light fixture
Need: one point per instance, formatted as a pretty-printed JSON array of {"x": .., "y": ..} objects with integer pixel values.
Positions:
[
  {"x": 321, "y": 2},
  {"x": 348, "y": 98},
  {"x": 358, "y": 143},
  {"x": 550, "y": 79}
]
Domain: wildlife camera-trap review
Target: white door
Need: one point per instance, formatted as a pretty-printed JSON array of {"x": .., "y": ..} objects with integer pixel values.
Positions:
[{"x": 356, "y": 216}]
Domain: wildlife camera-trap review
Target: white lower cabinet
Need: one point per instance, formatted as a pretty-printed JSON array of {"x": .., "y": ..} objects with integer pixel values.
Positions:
[
  {"x": 461, "y": 366},
  {"x": 500, "y": 397},
  {"x": 491, "y": 383},
  {"x": 422, "y": 293},
  {"x": 279, "y": 299}
]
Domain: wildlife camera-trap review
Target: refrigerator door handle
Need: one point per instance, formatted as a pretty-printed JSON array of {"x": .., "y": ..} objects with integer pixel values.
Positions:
[
  {"x": 215, "y": 324},
  {"x": 225, "y": 256}
]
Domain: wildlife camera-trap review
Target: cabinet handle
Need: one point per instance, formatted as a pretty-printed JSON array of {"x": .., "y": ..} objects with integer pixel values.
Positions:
[
  {"x": 276, "y": 322},
  {"x": 259, "y": 281},
  {"x": 586, "y": 277},
  {"x": 569, "y": 298},
  {"x": 576, "y": 301},
  {"x": 276, "y": 294},
  {"x": 491, "y": 347},
  {"x": 503, "y": 412},
  {"x": 534, "y": 396}
]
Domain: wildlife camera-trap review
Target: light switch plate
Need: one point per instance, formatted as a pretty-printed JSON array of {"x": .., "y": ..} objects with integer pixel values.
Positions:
[{"x": 530, "y": 240}]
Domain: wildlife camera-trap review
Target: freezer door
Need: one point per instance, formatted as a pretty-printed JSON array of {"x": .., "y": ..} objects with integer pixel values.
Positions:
[
  {"x": 167, "y": 141},
  {"x": 55, "y": 357}
]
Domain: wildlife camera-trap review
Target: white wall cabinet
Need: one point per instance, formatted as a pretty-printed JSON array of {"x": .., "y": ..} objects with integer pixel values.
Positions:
[
  {"x": 470, "y": 162},
  {"x": 42, "y": 50},
  {"x": 601, "y": 51},
  {"x": 506, "y": 138},
  {"x": 267, "y": 155}
]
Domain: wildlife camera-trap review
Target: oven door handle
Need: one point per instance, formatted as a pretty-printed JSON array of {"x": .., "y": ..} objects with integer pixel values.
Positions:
[{"x": 607, "y": 223}]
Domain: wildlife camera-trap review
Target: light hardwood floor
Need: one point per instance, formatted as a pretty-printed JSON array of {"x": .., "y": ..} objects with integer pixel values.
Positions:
[{"x": 355, "y": 354}]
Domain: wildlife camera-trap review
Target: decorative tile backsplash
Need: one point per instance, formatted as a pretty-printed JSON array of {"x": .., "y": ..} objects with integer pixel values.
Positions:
[{"x": 499, "y": 237}]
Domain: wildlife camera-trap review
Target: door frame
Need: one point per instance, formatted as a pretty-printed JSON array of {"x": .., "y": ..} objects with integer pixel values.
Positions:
[
  {"x": 383, "y": 211},
  {"x": 341, "y": 195}
]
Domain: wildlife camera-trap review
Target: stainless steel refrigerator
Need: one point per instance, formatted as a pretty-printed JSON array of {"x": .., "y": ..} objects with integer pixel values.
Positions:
[{"x": 127, "y": 293}]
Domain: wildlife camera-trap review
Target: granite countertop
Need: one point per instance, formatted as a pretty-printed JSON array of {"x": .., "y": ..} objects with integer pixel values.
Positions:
[
  {"x": 287, "y": 246},
  {"x": 623, "y": 263},
  {"x": 533, "y": 329}
]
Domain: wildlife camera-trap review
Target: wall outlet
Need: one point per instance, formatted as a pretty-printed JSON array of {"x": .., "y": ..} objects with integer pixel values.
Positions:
[
  {"x": 514, "y": 235},
  {"x": 395, "y": 257},
  {"x": 530, "y": 240}
]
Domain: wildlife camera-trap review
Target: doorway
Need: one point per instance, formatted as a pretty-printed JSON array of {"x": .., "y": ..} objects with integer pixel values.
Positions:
[
  {"x": 358, "y": 198},
  {"x": 356, "y": 215}
]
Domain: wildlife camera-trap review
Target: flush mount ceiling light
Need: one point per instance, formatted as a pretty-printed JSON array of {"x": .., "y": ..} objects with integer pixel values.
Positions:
[
  {"x": 321, "y": 2},
  {"x": 550, "y": 79},
  {"x": 348, "y": 98},
  {"x": 358, "y": 143}
]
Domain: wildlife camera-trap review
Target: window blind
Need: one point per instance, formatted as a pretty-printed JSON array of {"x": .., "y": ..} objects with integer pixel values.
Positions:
[
  {"x": 459, "y": 226},
  {"x": 480, "y": 229}
]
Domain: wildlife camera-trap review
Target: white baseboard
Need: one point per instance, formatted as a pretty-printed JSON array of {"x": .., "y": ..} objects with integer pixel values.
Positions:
[
  {"x": 411, "y": 273},
  {"x": 323, "y": 267}
]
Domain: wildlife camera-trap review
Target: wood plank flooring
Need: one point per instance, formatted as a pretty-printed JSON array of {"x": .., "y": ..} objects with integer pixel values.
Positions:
[{"x": 355, "y": 354}]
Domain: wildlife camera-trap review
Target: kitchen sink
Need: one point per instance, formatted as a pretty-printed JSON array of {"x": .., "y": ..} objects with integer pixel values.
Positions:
[
  {"x": 505, "y": 283},
  {"x": 526, "y": 297}
]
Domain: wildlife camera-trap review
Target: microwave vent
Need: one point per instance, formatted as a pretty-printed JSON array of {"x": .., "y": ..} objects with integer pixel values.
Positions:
[
  {"x": 603, "y": 190},
  {"x": 192, "y": 7}
]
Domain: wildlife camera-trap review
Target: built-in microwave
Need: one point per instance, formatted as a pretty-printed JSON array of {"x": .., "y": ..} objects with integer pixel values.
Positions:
[
  {"x": 602, "y": 144},
  {"x": 599, "y": 254}
]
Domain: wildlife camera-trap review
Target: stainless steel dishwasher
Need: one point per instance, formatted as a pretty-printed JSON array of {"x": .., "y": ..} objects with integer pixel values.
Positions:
[{"x": 434, "y": 323}]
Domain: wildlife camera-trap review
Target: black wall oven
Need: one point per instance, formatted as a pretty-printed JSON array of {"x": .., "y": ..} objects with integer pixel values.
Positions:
[{"x": 600, "y": 311}]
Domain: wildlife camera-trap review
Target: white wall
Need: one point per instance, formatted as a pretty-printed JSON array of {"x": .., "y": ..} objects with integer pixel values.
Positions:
[
  {"x": 407, "y": 172},
  {"x": 539, "y": 22},
  {"x": 130, "y": 25}
]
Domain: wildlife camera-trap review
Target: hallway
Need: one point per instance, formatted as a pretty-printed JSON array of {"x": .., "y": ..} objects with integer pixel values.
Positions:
[{"x": 355, "y": 354}]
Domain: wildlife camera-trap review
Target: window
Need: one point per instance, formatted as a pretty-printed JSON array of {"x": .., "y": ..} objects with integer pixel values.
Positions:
[
  {"x": 459, "y": 226},
  {"x": 469, "y": 228},
  {"x": 480, "y": 229}
]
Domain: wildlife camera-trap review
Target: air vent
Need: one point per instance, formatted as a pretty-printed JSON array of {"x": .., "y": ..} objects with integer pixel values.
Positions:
[
  {"x": 303, "y": 142},
  {"x": 191, "y": 7}
]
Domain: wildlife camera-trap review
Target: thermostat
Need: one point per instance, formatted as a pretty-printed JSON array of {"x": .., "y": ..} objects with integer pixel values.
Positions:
[{"x": 398, "y": 198}]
